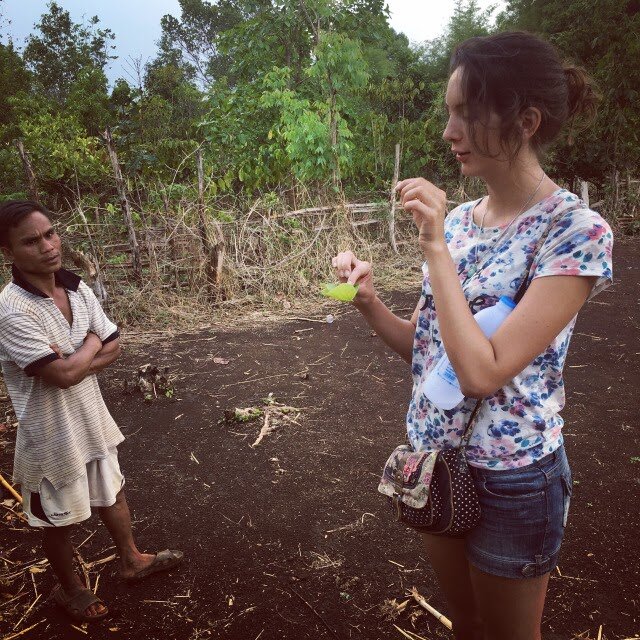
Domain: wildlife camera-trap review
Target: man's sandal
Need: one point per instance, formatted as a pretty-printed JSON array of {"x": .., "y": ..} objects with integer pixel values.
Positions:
[
  {"x": 164, "y": 561},
  {"x": 76, "y": 605}
]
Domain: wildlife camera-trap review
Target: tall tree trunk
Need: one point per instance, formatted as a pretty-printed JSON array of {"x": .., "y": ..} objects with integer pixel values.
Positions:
[
  {"x": 333, "y": 130},
  {"x": 173, "y": 249},
  {"x": 213, "y": 249},
  {"x": 392, "y": 213},
  {"x": 124, "y": 205},
  {"x": 97, "y": 282},
  {"x": 584, "y": 191},
  {"x": 32, "y": 183}
]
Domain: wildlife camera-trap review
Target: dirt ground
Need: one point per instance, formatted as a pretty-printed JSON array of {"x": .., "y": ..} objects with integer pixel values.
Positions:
[{"x": 289, "y": 539}]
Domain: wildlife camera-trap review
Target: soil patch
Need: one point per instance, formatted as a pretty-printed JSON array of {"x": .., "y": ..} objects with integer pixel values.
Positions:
[{"x": 289, "y": 539}]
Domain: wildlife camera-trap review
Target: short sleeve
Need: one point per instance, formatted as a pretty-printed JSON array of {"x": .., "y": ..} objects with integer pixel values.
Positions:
[
  {"x": 99, "y": 323},
  {"x": 24, "y": 342},
  {"x": 579, "y": 244}
]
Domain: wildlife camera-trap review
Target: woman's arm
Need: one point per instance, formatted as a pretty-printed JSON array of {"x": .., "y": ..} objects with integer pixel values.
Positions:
[
  {"x": 484, "y": 365},
  {"x": 394, "y": 331}
]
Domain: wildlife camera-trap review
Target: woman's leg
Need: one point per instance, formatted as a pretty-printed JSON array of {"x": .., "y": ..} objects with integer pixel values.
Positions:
[
  {"x": 511, "y": 608},
  {"x": 450, "y": 564}
]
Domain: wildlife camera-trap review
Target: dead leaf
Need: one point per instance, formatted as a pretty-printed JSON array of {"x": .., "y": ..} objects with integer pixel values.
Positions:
[
  {"x": 220, "y": 361},
  {"x": 36, "y": 570}
]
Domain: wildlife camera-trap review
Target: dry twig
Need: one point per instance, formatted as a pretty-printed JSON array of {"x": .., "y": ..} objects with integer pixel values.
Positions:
[{"x": 434, "y": 612}]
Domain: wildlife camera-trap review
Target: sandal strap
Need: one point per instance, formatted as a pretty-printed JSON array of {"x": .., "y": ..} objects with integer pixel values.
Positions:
[
  {"x": 165, "y": 556},
  {"x": 83, "y": 600}
]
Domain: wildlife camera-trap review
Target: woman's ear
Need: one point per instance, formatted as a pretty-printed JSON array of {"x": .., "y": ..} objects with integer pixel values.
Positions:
[{"x": 530, "y": 120}]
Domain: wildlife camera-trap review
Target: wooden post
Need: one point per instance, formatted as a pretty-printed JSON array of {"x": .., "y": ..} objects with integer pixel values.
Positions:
[
  {"x": 392, "y": 213},
  {"x": 173, "y": 249},
  {"x": 124, "y": 205},
  {"x": 32, "y": 184},
  {"x": 213, "y": 251},
  {"x": 584, "y": 189},
  {"x": 98, "y": 283}
]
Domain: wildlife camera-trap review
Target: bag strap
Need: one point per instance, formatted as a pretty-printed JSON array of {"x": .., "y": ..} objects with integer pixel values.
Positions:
[
  {"x": 466, "y": 436},
  {"x": 464, "y": 441}
]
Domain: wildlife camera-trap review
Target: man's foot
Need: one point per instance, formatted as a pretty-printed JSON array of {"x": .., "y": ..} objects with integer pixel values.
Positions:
[
  {"x": 147, "y": 564},
  {"x": 80, "y": 603}
]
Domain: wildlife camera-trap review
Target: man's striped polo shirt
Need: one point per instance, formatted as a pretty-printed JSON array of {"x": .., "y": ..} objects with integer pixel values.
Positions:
[{"x": 59, "y": 430}]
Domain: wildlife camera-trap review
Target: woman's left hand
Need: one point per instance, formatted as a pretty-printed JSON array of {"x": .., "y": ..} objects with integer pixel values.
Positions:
[{"x": 428, "y": 206}]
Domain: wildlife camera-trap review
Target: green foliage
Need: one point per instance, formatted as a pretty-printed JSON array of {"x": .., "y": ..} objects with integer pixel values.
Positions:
[
  {"x": 61, "y": 150},
  {"x": 603, "y": 38},
  {"x": 61, "y": 49},
  {"x": 285, "y": 92},
  {"x": 468, "y": 20},
  {"x": 14, "y": 79}
]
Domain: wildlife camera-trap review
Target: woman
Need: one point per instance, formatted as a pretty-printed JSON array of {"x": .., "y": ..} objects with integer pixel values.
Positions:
[{"x": 508, "y": 98}]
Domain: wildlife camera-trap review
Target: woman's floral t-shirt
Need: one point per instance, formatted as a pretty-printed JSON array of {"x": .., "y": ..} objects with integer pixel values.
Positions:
[{"x": 521, "y": 422}]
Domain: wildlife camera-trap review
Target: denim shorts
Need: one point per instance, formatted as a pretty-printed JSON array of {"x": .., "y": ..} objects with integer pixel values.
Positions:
[{"x": 524, "y": 514}]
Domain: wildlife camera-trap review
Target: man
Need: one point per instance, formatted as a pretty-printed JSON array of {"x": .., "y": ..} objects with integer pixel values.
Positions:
[{"x": 54, "y": 338}]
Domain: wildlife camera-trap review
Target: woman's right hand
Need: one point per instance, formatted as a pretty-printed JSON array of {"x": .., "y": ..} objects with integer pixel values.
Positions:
[{"x": 357, "y": 272}]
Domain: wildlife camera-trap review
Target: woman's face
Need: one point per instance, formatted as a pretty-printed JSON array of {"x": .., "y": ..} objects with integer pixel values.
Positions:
[{"x": 482, "y": 164}]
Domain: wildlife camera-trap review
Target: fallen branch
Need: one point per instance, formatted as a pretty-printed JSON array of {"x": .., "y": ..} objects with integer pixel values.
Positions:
[
  {"x": 95, "y": 563},
  {"x": 324, "y": 622},
  {"x": 10, "y": 489},
  {"x": 21, "y": 633},
  {"x": 305, "y": 319},
  {"x": 26, "y": 613},
  {"x": 409, "y": 634},
  {"x": 434, "y": 612},
  {"x": 17, "y": 515}
]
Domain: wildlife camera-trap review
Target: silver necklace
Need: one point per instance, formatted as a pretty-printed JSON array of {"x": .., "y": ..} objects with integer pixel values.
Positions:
[{"x": 496, "y": 242}]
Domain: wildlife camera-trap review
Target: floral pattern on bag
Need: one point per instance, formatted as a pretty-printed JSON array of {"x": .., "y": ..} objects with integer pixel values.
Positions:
[{"x": 408, "y": 473}]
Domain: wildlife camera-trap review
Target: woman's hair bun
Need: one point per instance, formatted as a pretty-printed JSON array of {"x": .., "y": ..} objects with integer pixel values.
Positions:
[{"x": 582, "y": 98}]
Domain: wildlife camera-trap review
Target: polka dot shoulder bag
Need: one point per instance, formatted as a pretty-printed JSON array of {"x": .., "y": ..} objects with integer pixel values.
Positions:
[{"x": 433, "y": 491}]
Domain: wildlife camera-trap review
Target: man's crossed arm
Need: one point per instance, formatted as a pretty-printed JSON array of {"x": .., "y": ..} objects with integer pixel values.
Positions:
[{"x": 92, "y": 357}]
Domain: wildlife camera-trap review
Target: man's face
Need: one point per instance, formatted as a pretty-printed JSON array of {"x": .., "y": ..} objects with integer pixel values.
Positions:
[{"x": 34, "y": 245}]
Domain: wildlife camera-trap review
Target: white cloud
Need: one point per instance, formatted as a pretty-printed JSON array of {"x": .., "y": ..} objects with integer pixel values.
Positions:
[{"x": 422, "y": 20}]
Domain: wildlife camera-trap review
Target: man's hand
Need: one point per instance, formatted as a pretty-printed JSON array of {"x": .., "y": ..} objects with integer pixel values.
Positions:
[
  {"x": 57, "y": 350},
  {"x": 67, "y": 372},
  {"x": 93, "y": 340}
]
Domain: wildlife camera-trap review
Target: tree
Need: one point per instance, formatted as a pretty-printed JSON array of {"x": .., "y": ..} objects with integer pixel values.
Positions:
[
  {"x": 14, "y": 79},
  {"x": 62, "y": 48},
  {"x": 604, "y": 37},
  {"x": 467, "y": 21},
  {"x": 192, "y": 40}
]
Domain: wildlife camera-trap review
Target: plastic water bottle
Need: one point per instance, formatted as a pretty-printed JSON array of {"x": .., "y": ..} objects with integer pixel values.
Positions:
[{"x": 441, "y": 385}]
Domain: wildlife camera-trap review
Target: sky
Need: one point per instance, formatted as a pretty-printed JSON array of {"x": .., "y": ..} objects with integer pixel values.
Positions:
[{"x": 136, "y": 23}]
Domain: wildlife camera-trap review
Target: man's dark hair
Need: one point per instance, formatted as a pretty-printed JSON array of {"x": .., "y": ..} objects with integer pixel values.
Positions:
[{"x": 13, "y": 212}]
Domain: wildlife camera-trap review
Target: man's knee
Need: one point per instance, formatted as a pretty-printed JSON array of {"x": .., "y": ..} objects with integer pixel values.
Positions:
[{"x": 57, "y": 533}]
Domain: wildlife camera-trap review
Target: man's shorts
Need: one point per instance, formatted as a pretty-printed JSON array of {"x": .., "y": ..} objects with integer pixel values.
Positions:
[{"x": 73, "y": 502}]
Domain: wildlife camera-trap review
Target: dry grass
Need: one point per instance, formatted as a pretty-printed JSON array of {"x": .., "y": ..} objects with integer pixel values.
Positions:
[{"x": 274, "y": 262}]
